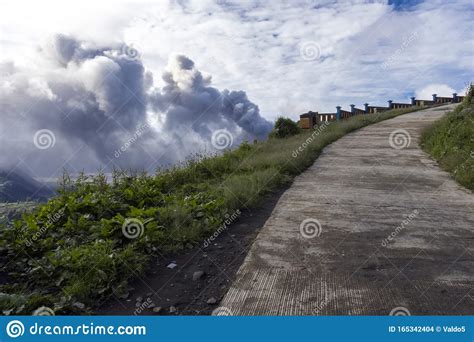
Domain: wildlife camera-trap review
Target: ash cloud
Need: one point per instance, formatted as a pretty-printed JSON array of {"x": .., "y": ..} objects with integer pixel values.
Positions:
[
  {"x": 100, "y": 100},
  {"x": 191, "y": 109}
]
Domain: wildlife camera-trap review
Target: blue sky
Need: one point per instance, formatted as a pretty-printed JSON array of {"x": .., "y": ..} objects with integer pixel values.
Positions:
[
  {"x": 403, "y": 5},
  {"x": 251, "y": 44},
  {"x": 288, "y": 56}
]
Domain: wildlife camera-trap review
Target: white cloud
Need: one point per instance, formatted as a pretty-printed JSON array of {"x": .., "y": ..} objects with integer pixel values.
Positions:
[
  {"x": 438, "y": 89},
  {"x": 93, "y": 97},
  {"x": 368, "y": 51},
  {"x": 254, "y": 46}
]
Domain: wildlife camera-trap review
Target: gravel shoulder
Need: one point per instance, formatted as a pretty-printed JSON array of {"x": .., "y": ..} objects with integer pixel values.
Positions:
[{"x": 202, "y": 274}]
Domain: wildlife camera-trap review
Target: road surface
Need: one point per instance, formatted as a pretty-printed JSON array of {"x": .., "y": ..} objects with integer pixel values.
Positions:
[{"x": 373, "y": 227}]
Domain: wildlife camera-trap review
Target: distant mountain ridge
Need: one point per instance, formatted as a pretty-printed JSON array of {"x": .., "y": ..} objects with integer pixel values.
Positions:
[{"x": 18, "y": 186}]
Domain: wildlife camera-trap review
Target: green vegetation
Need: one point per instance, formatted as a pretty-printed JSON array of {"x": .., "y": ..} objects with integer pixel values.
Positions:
[
  {"x": 284, "y": 127},
  {"x": 71, "y": 253},
  {"x": 450, "y": 141},
  {"x": 10, "y": 211}
]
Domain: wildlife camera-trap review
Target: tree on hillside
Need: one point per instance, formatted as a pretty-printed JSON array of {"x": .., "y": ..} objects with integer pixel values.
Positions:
[{"x": 284, "y": 127}]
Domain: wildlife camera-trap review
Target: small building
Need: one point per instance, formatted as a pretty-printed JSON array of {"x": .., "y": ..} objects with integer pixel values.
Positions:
[{"x": 308, "y": 120}]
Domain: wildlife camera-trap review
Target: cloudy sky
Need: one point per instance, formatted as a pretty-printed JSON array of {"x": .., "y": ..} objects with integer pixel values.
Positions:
[{"x": 143, "y": 83}]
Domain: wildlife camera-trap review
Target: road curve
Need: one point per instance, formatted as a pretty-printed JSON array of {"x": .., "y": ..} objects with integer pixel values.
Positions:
[{"x": 387, "y": 231}]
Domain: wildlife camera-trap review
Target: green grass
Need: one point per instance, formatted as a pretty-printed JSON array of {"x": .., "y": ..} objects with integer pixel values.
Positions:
[
  {"x": 72, "y": 250},
  {"x": 450, "y": 141}
]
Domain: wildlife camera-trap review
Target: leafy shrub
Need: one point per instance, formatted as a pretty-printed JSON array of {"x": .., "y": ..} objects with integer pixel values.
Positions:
[{"x": 284, "y": 127}]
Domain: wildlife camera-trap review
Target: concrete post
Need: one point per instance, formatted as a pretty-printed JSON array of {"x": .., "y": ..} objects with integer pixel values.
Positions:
[
  {"x": 366, "y": 105},
  {"x": 338, "y": 113},
  {"x": 311, "y": 119}
]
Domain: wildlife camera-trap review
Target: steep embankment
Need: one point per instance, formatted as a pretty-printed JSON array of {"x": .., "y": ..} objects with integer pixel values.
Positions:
[{"x": 451, "y": 141}]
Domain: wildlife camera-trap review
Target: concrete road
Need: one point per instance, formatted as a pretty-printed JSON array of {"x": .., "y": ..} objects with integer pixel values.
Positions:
[{"x": 373, "y": 227}]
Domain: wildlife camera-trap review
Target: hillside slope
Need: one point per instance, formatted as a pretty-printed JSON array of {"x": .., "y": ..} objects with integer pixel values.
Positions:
[
  {"x": 450, "y": 141},
  {"x": 16, "y": 186}
]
